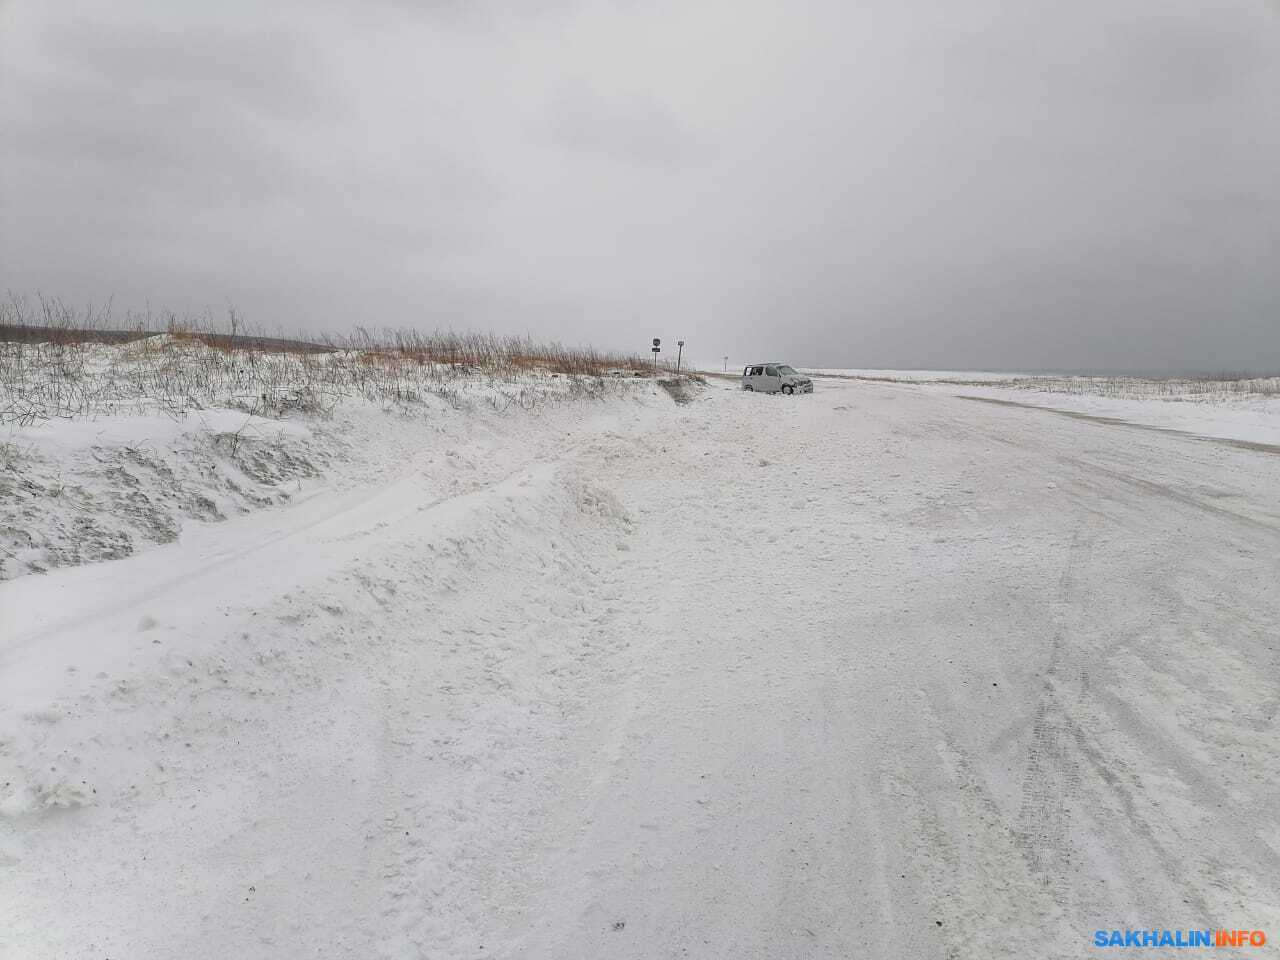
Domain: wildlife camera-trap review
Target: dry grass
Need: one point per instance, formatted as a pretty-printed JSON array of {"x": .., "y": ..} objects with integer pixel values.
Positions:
[
  {"x": 59, "y": 362},
  {"x": 682, "y": 388}
]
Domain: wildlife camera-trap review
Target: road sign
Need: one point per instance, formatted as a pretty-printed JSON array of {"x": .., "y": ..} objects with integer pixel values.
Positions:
[{"x": 657, "y": 341}]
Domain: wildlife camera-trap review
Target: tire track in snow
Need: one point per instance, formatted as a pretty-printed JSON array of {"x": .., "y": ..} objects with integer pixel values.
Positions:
[{"x": 1051, "y": 779}]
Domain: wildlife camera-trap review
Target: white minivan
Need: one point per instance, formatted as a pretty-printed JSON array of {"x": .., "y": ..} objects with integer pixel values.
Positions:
[{"x": 775, "y": 378}]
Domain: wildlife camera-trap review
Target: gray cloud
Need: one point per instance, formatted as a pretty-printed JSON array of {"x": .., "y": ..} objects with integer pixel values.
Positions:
[
  {"x": 887, "y": 183},
  {"x": 634, "y": 129}
]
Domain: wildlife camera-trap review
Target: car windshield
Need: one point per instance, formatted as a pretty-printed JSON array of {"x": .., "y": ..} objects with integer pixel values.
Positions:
[{"x": 786, "y": 371}]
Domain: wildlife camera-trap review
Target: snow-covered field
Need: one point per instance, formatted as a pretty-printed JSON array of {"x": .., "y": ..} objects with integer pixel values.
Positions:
[
  {"x": 1246, "y": 410},
  {"x": 914, "y": 376},
  {"x": 875, "y": 672}
]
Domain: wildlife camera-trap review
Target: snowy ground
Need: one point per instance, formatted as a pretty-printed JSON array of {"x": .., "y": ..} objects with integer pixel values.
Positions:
[
  {"x": 1247, "y": 411},
  {"x": 1248, "y": 419},
  {"x": 876, "y": 672}
]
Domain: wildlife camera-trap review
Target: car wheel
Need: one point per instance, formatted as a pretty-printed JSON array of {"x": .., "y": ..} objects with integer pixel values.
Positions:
[
  {"x": 749, "y": 388},
  {"x": 788, "y": 390}
]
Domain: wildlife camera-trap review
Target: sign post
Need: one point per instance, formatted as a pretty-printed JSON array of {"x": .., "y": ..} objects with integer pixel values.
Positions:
[
  {"x": 657, "y": 349},
  {"x": 679, "y": 354}
]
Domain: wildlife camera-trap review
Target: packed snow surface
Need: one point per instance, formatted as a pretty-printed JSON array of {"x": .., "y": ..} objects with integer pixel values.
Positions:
[
  {"x": 1244, "y": 409},
  {"x": 876, "y": 672}
]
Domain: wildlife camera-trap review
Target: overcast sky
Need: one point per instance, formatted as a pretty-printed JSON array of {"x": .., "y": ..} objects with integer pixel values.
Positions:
[{"x": 942, "y": 183}]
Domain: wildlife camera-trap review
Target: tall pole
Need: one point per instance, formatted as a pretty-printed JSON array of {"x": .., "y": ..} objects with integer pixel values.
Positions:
[{"x": 679, "y": 354}]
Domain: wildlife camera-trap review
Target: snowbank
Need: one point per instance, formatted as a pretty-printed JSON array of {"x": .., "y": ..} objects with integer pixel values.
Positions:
[{"x": 87, "y": 488}]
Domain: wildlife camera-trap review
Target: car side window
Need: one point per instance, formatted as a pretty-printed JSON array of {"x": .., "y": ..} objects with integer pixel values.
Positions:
[
  {"x": 757, "y": 371},
  {"x": 771, "y": 371}
]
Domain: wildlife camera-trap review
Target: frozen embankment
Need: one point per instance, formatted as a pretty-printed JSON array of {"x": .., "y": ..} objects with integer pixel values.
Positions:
[{"x": 106, "y": 449}]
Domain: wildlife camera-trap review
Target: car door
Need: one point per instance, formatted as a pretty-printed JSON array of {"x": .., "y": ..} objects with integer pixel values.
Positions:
[
  {"x": 756, "y": 379},
  {"x": 772, "y": 380}
]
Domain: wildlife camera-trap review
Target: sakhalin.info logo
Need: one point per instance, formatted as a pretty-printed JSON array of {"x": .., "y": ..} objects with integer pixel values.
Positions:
[{"x": 1179, "y": 938}]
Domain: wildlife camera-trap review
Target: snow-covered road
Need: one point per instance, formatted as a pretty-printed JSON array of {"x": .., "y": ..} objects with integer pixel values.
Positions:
[{"x": 869, "y": 673}]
